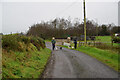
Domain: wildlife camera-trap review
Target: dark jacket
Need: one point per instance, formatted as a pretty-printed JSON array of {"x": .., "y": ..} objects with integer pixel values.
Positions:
[
  {"x": 53, "y": 41},
  {"x": 75, "y": 41}
]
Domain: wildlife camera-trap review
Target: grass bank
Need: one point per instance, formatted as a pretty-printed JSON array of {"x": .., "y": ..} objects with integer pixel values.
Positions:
[
  {"x": 108, "y": 57},
  {"x": 24, "y": 64},
  {"x": 0, "y": 58},
  {"x": 23, "y": 57}
]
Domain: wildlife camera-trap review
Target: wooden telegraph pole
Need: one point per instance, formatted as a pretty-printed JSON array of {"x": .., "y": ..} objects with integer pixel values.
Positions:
[{"x": 85, "y": 41}]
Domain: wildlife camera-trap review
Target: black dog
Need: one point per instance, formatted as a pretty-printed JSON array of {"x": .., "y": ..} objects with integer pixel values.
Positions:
[{"x": 60, "y": 48}]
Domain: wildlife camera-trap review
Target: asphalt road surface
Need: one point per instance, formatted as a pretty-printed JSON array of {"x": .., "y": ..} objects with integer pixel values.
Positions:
[{"x": 68, "y": 63}]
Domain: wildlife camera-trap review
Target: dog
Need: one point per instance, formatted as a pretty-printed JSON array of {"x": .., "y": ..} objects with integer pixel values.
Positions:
[{"x": 60, "y": 48}]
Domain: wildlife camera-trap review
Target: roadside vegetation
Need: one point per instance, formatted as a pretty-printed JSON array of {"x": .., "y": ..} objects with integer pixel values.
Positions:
[
  {"x": 23, "y": 56},
  {"x": 0, "y": 57}
]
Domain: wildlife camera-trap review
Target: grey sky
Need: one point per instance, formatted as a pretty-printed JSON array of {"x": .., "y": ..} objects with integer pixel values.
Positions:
[
  {"x": 119, "y": 13},
  {"x": 0, "y": 17},
  {"x": 18, "y": 16}
]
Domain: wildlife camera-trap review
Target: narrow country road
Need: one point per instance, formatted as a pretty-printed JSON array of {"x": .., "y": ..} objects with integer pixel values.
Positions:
[{"x": 68, "y": 63}]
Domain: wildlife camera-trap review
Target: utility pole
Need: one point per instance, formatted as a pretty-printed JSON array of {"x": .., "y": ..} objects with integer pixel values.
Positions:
[
  {"x": 96, "y": 27},
  {"x": 85, "y": 41}
]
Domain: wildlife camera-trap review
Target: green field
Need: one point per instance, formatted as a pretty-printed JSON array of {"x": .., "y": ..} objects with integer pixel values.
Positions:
[{"x": 106, "y": 40}]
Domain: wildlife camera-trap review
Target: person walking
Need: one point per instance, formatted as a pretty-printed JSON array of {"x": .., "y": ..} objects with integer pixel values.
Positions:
[
  {"x": 75, "y": 43},
  {"x": 53, "y": 43}
]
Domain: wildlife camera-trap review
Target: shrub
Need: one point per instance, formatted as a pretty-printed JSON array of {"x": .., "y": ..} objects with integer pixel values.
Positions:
[
  {"x": 35, "y": 42},
  {"x": 41, "y": 42},
  {"x": 9, "y": 43},
  {"x": 22, "y": 47},
  {"x": 24, "y": 39},
  {"x": 21, "y": 43},
  {"x": 116, "y": 40}
]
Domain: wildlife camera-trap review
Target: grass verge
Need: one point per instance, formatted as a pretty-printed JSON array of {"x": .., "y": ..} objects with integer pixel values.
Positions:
[
  {"x": 47, "y": 40},
  {"x": 24, "y": 65}
]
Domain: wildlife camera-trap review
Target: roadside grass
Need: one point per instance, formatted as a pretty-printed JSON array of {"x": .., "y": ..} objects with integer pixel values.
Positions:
[
  {"x": 24, "y": 64},
  {"x": 0, "y": 57},
  {"x": 47, "y": 40},
  {"x": 108, "y": 57}
]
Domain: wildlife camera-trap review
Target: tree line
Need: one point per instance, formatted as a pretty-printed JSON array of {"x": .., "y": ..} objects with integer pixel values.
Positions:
[{"x": 62, "y": 28}]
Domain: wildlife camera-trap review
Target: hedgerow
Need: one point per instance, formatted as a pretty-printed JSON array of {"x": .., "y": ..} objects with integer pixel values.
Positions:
[{"x": 21, "y": 42}]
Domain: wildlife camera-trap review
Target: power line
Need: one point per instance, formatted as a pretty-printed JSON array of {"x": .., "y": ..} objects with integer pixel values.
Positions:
[{"x": 64, "y": 10}]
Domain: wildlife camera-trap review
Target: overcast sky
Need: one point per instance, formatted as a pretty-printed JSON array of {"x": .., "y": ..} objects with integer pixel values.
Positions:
[{"x": 17, "y": 16}]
